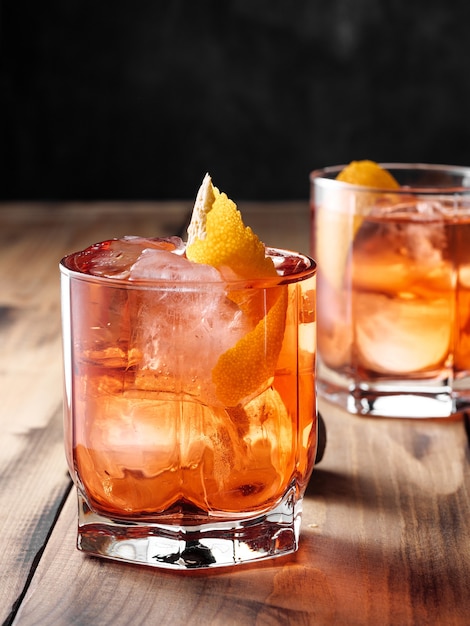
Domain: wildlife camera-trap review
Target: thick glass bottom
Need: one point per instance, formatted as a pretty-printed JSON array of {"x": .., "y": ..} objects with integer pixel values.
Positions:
[
  {"x": 180, "y": 546},
  {"x": 401, "y": 398}
]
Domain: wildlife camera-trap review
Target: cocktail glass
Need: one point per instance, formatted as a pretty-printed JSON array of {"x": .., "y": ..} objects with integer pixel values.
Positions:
[
  {"x": 394, "y": 291},
  {"x": 190, "y": 412}
]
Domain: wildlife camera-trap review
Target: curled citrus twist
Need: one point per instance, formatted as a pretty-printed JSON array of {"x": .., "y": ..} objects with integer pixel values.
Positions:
[
  {"x": 368, "y": 174},
  {"x": 217, "y": 236}
]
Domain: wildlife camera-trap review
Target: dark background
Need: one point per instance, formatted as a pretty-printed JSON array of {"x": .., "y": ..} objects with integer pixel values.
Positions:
[{"x": 137, "y": 100}]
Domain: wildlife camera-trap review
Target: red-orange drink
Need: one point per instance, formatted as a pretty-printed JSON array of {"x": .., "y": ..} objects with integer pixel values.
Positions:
[
  {"x": 190, "y": 413},
  {"x": 394, "y": 291}
]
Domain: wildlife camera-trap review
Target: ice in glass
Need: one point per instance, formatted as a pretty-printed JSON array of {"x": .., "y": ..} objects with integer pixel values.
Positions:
[
  {"x": 393, "y": 258},
  {"x": 190, "y": 401}
]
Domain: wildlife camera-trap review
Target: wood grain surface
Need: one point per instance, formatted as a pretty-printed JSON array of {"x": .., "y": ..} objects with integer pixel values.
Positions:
[{"x": 386, "y": 527}]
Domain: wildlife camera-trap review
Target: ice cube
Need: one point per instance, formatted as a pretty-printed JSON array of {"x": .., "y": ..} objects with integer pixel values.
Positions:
[
  {"x": 415, "y": 229},
  {"x": 113, "y": 258},
  {"x": 164, "y": 265},
  {"x": 399, "y": 336},
  {"x": 185, "y": 321}
]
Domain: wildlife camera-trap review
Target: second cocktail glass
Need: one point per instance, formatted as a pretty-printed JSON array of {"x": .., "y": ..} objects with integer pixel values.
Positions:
[{"x": 394, "y": 291}]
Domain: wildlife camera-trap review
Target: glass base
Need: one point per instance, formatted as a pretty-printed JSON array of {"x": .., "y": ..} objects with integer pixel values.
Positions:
[
  {"x": 179, "y": 546},
  {"x": 398, "y": 398}
]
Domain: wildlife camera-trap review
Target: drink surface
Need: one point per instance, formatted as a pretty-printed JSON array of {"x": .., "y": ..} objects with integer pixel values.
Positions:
[
  {"x": 400, "y": 305},
  {"x": 171, "y": 415}
]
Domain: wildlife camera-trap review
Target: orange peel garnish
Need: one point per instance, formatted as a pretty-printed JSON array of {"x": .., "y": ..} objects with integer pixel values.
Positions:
[
  {"x": 217, "y": 236},
  {"x": 367, "y": 174}
]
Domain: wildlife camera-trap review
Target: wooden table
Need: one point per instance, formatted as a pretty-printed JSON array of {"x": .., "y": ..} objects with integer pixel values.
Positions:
[{"x": 386, "y": 528}]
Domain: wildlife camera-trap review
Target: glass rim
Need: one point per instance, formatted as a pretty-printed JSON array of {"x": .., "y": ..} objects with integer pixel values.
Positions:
[
  {"x": 303, "y": 271},
  {"x": 327, "y": 175}
]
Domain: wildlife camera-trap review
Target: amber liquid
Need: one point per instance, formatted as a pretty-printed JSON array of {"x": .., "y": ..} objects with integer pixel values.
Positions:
[
  {"x": 149, "y": 445},
  {"x": 401, "y": 310}
]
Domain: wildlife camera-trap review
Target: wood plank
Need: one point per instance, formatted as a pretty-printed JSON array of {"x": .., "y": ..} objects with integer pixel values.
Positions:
[
  {"x": 33, "y": 475},
  {"x": 385, "y": 540}
]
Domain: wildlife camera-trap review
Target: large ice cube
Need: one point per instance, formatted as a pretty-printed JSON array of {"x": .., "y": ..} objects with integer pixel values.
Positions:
[
  {"x": 415, "y": 229},
  {"x": 166, "y": 266},
  {"x": 182, "y": 322},
  {"x": 399, "y": 336}
]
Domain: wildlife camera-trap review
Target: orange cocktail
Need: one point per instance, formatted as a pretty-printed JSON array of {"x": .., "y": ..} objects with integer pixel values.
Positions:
[
  {"x": 190, "y": 399},
  {"x": 393, "y": 287}
]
